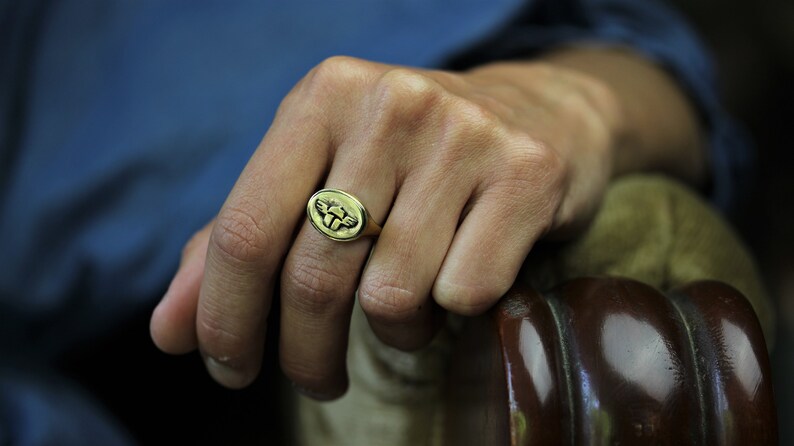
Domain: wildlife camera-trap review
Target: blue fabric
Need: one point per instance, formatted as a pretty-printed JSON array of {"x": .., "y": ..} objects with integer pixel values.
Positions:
[
  {"x": 123, "y": 125},
  {"x": 42, "y": 410}
]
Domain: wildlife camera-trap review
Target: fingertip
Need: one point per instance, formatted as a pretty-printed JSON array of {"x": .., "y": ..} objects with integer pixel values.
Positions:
[
  {"x": 169, "y": 335},
  {"x": 156, "y": 329},
  {"x": 173, "y": 323},
  {"x": 229, "y": 376},
  {"x": 465, "y": 299},
  {"x": 412, "y": 336},
  {"x": 315, "y": 382},
  {"x": 231, "y": 360},
  {"x": 320, "y": 396}
]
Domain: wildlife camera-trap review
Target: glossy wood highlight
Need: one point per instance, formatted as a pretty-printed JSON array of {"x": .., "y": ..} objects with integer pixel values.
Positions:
[{"x": 612, "y": 361}]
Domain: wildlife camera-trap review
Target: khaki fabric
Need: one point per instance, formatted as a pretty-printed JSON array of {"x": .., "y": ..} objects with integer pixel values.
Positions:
[{"x": 649, "y": 228}]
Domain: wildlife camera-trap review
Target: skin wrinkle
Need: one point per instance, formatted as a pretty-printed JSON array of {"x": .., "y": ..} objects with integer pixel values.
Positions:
[
  {"x": 238, "y": 236},
  {"x": 535, "y": 164},
  {"x": 319, "y": 288},
  {"x": 408, "y": 232},
  {"x": 215, "y": 306},
  {"x": 383, "y": 299},
  {"x": 435, "y": 177},
  {"x": 220, "y": 342}
]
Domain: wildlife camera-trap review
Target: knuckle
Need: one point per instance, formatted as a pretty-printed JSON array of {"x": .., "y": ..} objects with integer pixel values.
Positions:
[
  {"x": 466, "y": 128},
  {"x": 404, "y": 96},
  {"x": 530, "y": 160},
  {"x": 551, "y": 165},
  {"x": 336, "y": 74},
  {"x": 239, "y": 237},
  {"x": 313, "y": 284},
  {"x": 383, "y": 297},
  {"x": 529, "y": 179},
  {"x": 466, "y": 120}
]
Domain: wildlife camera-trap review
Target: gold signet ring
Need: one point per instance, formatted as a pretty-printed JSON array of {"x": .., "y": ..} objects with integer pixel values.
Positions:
[{"x": 340, "y": 216}]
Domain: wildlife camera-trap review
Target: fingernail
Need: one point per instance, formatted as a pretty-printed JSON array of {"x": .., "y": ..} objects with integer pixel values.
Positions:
[
  {"x": 227, "y": 375},
  {"x": 315, "y": 395}
]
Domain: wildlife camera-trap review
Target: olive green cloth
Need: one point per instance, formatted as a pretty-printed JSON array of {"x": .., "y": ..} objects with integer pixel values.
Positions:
[{"x": 649, "y": 228}]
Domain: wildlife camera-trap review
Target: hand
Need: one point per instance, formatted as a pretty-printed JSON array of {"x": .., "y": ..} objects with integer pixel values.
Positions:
[{"x": 465, "y": 172}]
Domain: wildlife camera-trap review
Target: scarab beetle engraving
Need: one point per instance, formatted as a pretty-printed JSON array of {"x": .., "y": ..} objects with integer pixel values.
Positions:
[{"x": 334, "y": 215}]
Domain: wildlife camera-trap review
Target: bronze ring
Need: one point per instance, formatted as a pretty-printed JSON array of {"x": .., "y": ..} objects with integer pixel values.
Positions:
[{"x": 340, "y": 216}]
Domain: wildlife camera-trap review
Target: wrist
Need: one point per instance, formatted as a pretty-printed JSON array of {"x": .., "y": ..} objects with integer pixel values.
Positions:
[{"x": 660, "y": 129}]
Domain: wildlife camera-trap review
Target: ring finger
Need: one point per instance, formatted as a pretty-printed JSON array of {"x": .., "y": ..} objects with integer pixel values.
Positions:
[{"x": 319, "y": 281}]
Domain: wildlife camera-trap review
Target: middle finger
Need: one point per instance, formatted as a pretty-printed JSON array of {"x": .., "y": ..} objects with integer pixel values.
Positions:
[
  {"x": 398, "y": 279},
  {"x": 319, "y": 280}
]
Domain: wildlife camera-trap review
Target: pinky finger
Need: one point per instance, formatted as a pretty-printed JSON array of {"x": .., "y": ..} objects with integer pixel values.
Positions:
[
  {"x": 173, "y": 323},
  {"x": 486, "y": 255}
]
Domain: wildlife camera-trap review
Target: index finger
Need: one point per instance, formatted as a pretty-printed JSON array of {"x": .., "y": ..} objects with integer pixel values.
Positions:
[{"x": 249, "y": 240}]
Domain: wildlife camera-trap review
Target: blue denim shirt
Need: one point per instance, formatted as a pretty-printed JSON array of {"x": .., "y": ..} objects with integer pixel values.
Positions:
[{"x": 123, "y": 125}]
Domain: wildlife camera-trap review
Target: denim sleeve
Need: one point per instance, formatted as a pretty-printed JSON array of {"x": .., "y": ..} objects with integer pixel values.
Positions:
[{"x": 659, "y": 34}]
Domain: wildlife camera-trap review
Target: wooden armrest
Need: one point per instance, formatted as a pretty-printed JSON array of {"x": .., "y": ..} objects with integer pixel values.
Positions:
[{"x": 612, "y": 361}]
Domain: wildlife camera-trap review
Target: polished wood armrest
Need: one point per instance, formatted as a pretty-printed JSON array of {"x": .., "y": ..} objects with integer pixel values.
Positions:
[{"x": 612, "y": 361}]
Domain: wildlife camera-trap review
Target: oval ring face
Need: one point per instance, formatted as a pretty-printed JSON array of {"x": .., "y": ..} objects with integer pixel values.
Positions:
[{"x": 337, "y": 214}]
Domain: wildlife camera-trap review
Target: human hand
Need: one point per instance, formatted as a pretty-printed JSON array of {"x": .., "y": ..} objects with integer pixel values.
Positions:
[{"x": 466, "y": 171}]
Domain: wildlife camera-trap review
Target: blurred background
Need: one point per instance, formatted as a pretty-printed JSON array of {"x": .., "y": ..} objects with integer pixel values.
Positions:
[{"x": 753, "y": 44}]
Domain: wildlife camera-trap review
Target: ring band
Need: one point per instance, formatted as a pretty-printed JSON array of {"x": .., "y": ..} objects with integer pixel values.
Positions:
[{"x": 340, "y": 216}]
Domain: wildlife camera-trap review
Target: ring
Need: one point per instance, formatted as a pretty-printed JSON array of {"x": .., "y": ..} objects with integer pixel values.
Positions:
[{"x": 340, "y": 216}]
